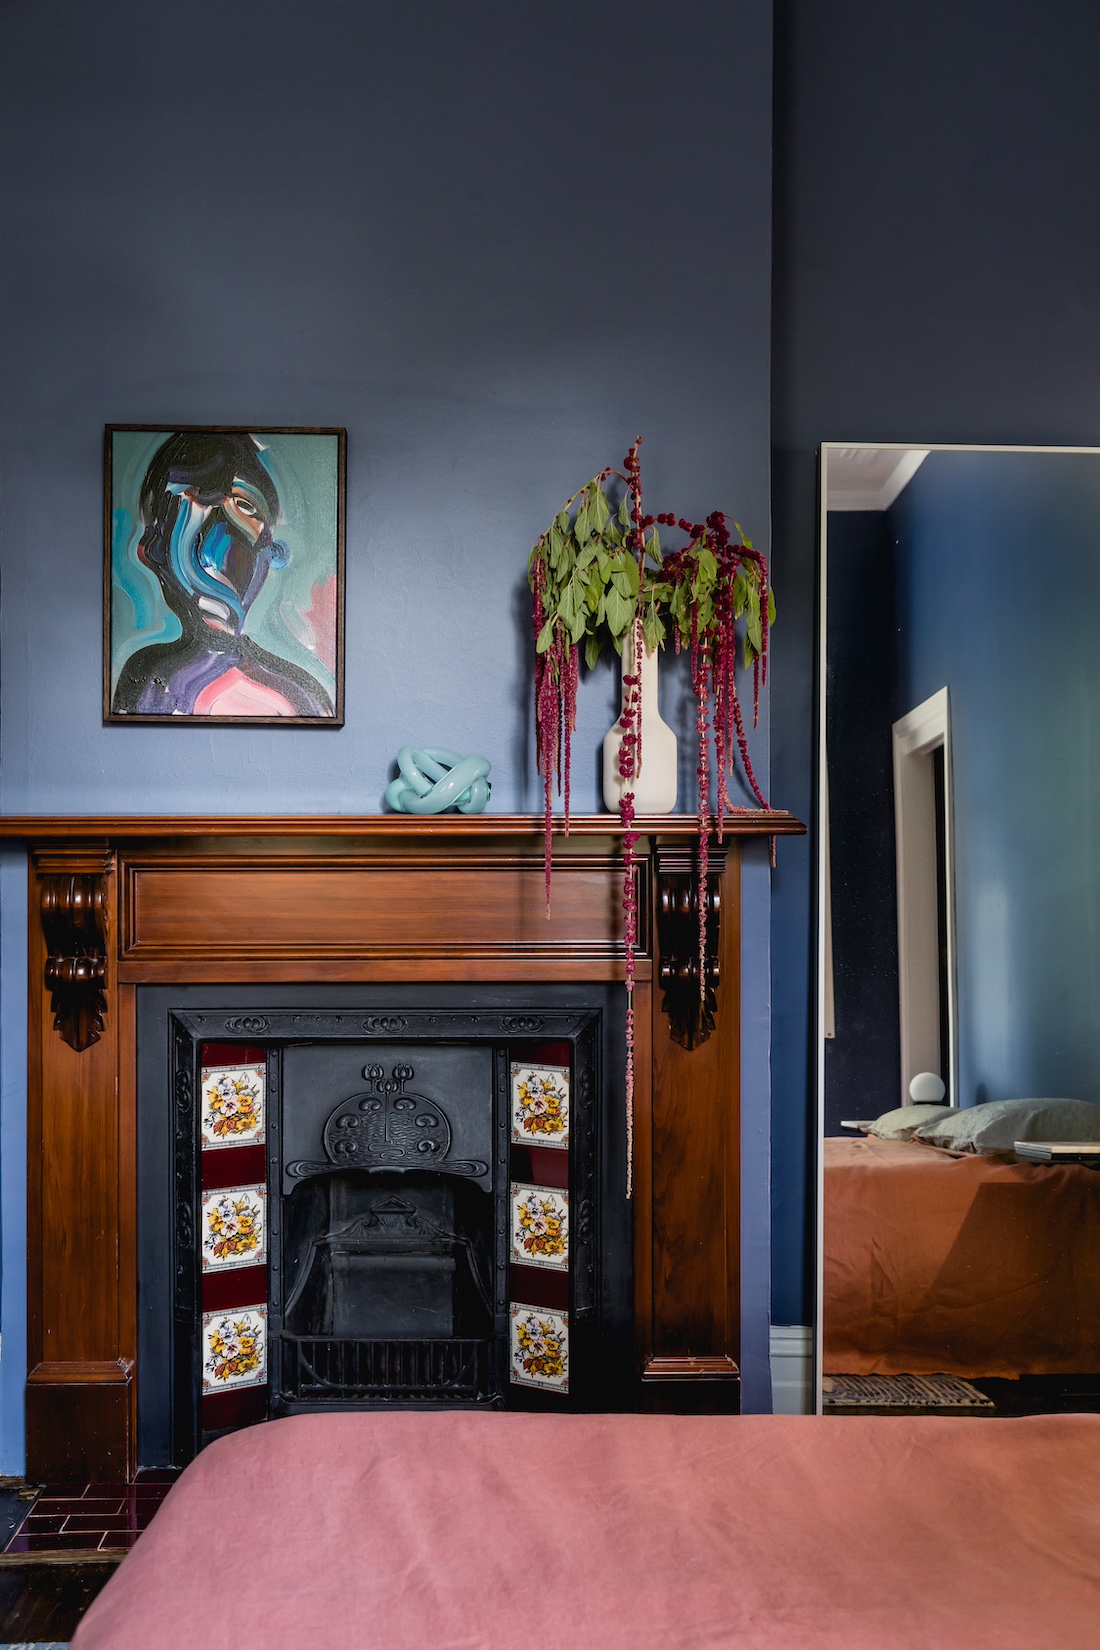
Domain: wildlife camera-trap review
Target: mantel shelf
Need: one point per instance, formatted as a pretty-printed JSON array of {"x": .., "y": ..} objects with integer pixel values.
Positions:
[{"x": 69, "y": 828}]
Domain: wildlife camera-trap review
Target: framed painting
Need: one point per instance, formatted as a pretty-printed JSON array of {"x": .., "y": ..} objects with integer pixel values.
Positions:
[{"x": 223, "y": 576}]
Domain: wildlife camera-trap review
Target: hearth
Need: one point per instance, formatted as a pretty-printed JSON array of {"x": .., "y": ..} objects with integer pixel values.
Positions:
[{"x": 407, "y": 1198}]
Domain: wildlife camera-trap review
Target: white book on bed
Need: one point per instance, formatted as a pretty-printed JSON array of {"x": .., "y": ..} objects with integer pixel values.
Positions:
[{"x": 1057, "y": 1151}]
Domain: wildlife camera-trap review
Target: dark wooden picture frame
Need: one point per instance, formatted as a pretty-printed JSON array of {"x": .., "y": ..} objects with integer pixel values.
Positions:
[{"x": 223, "y": 575}]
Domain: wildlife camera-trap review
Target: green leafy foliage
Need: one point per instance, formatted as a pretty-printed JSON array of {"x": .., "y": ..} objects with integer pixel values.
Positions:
[
  {"x": 590, "y": 573},
  {"x": 592, "y": 584}
]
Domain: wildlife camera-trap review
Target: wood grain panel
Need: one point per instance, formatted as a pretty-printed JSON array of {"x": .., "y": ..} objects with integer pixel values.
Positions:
[
  {"x": 125, "y": 999},
  {"x": 692, "y": 1332},
  {"x": 75, "y": 1229},
  {"x": 193, "y": 968},
  {"x": 80, "y": 1430},
  {"x": 336, "y": 909},
  {"x": 73, "y": 1154}
]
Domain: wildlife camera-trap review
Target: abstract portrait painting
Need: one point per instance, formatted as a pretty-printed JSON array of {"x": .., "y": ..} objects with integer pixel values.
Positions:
[{"x": 224, "y": 572}]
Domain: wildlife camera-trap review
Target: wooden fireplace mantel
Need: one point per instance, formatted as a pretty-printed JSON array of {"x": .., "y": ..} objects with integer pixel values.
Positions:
[
  {"x": 126, "y": 901},
  {"x": 78, "y": 828}
]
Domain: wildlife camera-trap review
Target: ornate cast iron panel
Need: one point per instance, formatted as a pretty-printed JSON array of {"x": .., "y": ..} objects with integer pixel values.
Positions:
[
  {"x": 388, "y": 1129},
  {"x": 74, "y": 925},
  {"x": 690, "y": 1011}
]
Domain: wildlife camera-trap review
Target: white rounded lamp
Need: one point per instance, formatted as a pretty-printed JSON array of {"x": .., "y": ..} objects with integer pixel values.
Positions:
[{"x": 926, "y": 1089}]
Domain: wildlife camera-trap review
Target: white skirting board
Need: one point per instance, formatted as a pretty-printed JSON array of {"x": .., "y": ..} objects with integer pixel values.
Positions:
[{"x": 792, "y": 1361}]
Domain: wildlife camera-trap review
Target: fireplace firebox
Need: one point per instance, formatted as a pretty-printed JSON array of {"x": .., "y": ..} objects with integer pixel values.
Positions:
[{"x": 358, "y": 1218}]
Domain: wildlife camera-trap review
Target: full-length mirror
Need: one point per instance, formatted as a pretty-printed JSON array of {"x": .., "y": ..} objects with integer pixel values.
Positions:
[{"x": 959, "y": 930}]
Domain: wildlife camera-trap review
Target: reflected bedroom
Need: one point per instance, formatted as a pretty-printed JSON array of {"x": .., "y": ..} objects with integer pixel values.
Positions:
[{"x": 959, "y": 914}]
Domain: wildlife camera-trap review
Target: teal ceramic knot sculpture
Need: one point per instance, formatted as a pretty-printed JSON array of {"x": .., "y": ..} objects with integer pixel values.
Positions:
[{"x": 433, "y": 780}]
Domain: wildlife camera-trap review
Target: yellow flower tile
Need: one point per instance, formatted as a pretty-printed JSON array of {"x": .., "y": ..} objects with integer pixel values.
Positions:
[
  {"x": 540, "y": 1226},
  {"x": 540, "y": 1105},
  {"x": 232, "y": 1106},
  {"x": 233, "y": 1228},
  {"x": 539, "y": 1348},
  {"x": 234, "y": 1348}
]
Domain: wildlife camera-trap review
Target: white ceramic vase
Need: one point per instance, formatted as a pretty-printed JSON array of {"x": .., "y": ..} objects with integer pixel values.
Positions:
[{"x": 655, "y": 785}]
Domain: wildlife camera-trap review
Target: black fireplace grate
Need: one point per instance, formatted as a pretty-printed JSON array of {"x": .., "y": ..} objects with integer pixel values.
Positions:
[{"x": 438, "y": 1370}]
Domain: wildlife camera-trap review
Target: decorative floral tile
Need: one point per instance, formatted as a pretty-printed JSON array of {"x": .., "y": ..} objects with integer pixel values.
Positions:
[
  {"x": 540, "y": 1348},
  {"x": 232, "y": 1110},
  {"x": 540, "y": 1105},
  {"x": 540, "y": 1226},
  {"x": 234, "y": 1228},
  {"x": 234, "y": 1348}
]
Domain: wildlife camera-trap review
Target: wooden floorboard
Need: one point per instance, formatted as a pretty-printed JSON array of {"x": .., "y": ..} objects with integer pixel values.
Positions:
[{"x": 47, "y": 1601}]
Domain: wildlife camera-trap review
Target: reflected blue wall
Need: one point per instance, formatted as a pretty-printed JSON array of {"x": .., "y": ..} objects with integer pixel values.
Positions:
[
  {"x": 495, "y": 242},
  {"x": 999, "y": 593}
]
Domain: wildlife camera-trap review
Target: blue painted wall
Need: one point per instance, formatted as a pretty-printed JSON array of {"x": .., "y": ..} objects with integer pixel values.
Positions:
[
  {"x": 495, "y": 242},
  {"x": 436, "y": 225},
  {"x": 936, "y": 257},
  {"x": 998, "y": 568}
]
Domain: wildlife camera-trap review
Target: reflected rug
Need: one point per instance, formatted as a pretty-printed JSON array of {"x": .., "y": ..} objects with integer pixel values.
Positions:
[{"x": 901, "y": 1392}]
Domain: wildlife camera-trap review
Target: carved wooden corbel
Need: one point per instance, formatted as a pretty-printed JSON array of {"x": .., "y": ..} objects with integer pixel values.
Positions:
[
  {"x": 690, "y": 1013},
  {"x": 74, "y": 925}
]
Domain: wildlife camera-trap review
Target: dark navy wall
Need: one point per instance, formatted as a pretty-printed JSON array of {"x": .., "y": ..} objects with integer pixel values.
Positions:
[
  {"x": 863, "y": 1057},
  {"x": 999, "y": 592},
  {"x": 496, "y": 242},
  {"x": 936, "y": 257}
]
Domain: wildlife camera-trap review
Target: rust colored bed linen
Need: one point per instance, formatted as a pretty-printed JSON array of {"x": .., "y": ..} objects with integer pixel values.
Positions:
[
  {"x": 960, "y": 1265},
  {"x": 469, "y": 1531}
]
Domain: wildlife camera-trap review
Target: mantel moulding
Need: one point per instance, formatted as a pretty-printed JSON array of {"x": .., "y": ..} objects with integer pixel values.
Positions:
[{"x": 128, "y": 827}]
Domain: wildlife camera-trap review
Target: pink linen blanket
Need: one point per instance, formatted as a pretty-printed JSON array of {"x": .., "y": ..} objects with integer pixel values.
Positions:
[{"x": 467, "y": 1531}]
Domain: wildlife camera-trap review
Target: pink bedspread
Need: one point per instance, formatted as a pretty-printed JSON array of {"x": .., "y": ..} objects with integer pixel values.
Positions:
[{"x": 496, "y": 1532}]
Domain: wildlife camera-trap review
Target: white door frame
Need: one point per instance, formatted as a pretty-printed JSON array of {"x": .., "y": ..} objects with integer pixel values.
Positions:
[{"x": 925, "y": 729}]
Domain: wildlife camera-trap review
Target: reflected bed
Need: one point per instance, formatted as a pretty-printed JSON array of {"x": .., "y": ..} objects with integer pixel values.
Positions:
[{"x": 936, "y": 1262}]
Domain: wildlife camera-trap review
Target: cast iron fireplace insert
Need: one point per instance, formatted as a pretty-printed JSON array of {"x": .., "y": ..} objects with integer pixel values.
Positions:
[{"x": 388, "y": 1269}]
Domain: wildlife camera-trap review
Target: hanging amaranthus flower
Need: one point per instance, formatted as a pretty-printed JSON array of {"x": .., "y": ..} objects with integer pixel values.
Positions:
[
  {"x": 709, "y": 586},
  {"x": 584, "y": 579},
  {"x": 596, "y": 576},
  {"x": 630, "y": 762}
]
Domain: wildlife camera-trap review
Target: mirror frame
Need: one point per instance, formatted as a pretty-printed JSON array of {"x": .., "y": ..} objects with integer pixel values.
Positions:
[{"x": 820, "y": 825}]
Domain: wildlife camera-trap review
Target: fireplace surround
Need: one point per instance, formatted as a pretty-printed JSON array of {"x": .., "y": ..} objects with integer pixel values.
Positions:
[
  {"x": 388, "y": 1264},
  {"x": 129, "y": 903}
]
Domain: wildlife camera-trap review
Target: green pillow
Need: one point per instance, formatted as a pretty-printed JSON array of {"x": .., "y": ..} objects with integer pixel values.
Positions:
[
  {"x": 901, "y": 1123},
  {"x": 998, "y": 1124}
]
